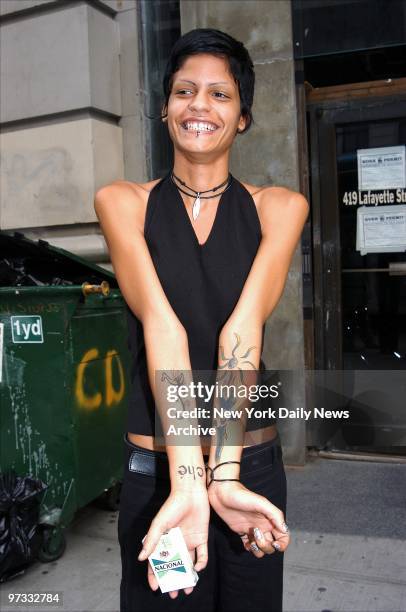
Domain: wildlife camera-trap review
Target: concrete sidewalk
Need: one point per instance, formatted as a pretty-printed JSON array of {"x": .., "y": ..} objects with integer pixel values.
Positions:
[{"x": 347, "y": 551}]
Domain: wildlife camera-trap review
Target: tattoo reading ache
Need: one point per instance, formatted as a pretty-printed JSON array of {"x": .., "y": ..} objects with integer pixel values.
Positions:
[{"x": 191, "y": 470}]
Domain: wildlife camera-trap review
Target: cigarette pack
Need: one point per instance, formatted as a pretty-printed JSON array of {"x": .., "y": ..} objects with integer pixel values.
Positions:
[{"x": 171, "y": 562}]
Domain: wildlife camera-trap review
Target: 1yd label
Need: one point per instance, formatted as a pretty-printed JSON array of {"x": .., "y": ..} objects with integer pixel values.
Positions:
[{"x": 27, "y": 329}]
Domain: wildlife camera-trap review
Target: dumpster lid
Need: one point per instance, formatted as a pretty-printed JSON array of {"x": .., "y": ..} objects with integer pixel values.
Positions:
[{"x": 26, "y": 262}]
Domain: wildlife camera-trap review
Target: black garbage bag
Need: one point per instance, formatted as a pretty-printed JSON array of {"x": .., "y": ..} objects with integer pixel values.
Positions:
[{"x": 20, "y": 536}]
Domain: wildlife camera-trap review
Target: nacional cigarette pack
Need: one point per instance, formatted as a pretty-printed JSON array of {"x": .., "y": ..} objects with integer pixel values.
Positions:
[{"x": 171, "y": 562}]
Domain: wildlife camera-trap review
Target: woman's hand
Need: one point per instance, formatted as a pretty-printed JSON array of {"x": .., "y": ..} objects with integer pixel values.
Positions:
[
  {"x": 257, "y": 521},
  {"x": 188, "y": 509}
]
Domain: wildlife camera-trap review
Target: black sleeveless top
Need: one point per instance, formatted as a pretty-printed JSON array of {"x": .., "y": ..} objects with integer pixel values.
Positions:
[{"x": 202, "y": 282}]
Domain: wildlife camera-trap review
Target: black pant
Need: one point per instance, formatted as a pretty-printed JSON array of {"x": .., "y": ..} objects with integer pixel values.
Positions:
[{"x": 234, "y": 579}]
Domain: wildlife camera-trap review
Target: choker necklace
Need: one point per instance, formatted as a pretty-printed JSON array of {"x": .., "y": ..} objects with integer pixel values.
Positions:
[{"x": 198, "y": 194}]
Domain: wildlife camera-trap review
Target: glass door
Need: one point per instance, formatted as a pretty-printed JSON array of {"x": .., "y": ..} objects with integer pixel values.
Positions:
[
  {"x": 372, "y": 218},
  {"x": 359, "y": 253}
]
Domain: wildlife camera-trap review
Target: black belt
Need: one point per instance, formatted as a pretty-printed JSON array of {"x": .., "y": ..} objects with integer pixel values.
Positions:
[{"x": 155, "y": 463}]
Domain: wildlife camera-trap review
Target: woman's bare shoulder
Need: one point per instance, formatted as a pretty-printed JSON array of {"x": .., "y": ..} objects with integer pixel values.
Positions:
[
  {"x": 129, "y": 198},
  {"x": 132, "y": 194},
  {"x": 265, "y": 193},
  {"x": 262, "y": 192},
  {"x": 272, "y": 201},
  {"x": 141, "y": 189}
]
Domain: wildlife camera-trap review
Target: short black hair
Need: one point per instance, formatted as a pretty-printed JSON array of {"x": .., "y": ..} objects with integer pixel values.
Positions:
[{"x": 215, "y": 42}]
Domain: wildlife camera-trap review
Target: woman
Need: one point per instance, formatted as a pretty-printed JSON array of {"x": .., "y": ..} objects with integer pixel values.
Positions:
[{"x": 202, "y": 259}]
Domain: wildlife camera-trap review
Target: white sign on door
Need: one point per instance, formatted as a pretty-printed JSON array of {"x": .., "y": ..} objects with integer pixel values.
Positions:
[
  {"x": 381, "y": 168},
  {"x": 381, "y": 229}
]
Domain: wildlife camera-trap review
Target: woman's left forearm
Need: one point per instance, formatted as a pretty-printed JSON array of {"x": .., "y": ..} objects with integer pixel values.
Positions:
[
  {"x": 239, "y": 354},
  {"x": 240, "y": 343}
]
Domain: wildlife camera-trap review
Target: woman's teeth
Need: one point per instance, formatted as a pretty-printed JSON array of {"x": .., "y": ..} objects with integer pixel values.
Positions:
[{"x": 199, "y": 127}]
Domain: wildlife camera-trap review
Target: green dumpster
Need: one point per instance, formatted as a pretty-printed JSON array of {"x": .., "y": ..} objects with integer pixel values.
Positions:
[{"x": 63, "y": 378}]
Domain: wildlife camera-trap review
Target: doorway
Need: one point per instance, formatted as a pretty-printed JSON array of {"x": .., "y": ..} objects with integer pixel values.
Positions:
[{"x": 357, "y": 137}]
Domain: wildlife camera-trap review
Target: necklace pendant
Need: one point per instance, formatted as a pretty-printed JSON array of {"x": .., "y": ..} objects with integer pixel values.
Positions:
[{"x": 196, "y": 207}]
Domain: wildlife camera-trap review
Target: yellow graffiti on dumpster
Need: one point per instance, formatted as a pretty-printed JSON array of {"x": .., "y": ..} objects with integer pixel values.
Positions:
[
  {"x": 87, "y": 401},
  {"x": 112, "y": 395}
]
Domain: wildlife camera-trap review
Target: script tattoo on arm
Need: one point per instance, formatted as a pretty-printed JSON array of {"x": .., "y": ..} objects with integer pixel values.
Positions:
[{"x": 191, "y": 470}]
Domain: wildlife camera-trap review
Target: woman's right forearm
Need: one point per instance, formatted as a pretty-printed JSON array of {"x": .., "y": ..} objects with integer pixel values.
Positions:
[
  {"x": 169, "y": 365},
  {"x": 120, "y": 211}
]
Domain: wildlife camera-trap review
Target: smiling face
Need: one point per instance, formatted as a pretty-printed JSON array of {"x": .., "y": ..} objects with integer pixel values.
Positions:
[{"x": 204, "y": 99}]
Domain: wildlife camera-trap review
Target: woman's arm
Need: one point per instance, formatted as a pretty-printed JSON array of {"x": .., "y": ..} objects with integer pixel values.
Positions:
[
  {"x": 282, "y": 214},
  {"x": 121, "y": 212},
  {"x": 260, "y": 524}
]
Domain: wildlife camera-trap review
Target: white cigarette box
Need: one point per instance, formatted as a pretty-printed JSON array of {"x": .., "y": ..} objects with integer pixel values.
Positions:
[{"x": 171, "y": 562}]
